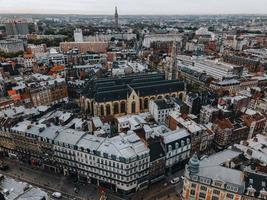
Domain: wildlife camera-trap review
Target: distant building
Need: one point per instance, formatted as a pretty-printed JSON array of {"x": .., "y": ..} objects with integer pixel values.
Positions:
[
  {"x": 255, "y": 121},
  {"x": 149, "y": 39},
  {"x": 17, "y": 28},
  {"x": 84, "y": 47},
  {"x": 37, "y": 49},
  {"x": 223, "y": 129},
  {"x": 11, "y": 45},
  {"x": 208, "y": 114},
  {"x": 161, "y": 108},
  {"x": 128, "y": 94},
  {"x": 78, "y": 35},
  {"x": 116, "y": 16}
]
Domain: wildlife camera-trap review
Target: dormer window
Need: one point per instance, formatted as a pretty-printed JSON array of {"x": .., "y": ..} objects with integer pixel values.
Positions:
[
  {"x": 188, "y": 141},
  {"x": 251, "y": 191},
  {"x": 263, "y": 194},
  {"x": 170, "y": 147},
  {"x": 263, "y": 184}
]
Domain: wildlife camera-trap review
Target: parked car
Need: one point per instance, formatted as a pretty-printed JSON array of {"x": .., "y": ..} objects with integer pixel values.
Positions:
[
  {"x": 182, "y": 177},
  {"x": 57, "y": 195},
  {"x": 175, "y": 180}
]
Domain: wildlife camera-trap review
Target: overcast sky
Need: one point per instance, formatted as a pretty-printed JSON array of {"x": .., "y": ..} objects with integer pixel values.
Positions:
[{"x": 135, "y": 6}]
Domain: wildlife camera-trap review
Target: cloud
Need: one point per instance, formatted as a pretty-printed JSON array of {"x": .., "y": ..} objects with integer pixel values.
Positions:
[{"x": 135, "y": 6}]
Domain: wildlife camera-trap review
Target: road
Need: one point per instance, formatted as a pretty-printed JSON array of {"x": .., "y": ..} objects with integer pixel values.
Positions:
[
  {"x": 51, "y": 182},
  {"x": 162, "y": 189}
]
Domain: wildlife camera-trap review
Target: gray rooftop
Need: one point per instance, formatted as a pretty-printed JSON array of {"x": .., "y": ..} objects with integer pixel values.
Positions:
[
  {"x": 211, "y": 167},
  {"x": 13, "y": 189}
]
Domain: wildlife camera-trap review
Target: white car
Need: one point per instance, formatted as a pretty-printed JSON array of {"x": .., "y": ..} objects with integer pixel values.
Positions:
[
  {"x": 175, "y": 180},
  {"x": 182, "y": 177},
  {"x": 57, "y": 195}
]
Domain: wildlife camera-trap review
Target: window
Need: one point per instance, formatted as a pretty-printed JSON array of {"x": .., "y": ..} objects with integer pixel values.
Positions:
[
  {"x": 116, "y": 108},
  {"x": 133, "y": 107},
  {"x": 229, "y": 195},
  {"x": 123, "y": 107},
  {"x": 102, "y": 110},
  {"x": 215, "y": 198},
  {"x": 146, "y": 103},
  {"x": 202, "y": 195},
  {"x": 204, "y": 188},
  {"x": 192, "y": 192},
  {"x": 141, "y": 104},
  {"x": 176, "y": 145},
  {"x": 108, "y": 111},
  {"x": 217, "y": 192}
]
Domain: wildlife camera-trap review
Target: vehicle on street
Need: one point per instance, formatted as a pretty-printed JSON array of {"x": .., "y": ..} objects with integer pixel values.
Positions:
[
  {"x": 182, "y": 177},
  {"x": 175, "y": 180},
  {"x": 203, "y": 157},
  {"x": 57, "y": 195}
]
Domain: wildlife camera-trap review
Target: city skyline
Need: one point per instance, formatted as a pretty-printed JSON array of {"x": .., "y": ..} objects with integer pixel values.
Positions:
[{"x": 138, "y": 7}]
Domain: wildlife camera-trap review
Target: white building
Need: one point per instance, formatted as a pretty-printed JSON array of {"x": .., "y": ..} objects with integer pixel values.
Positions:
[
  {"x": 218, "y": 70},
  {"x": 120, "y": 163},
  {"x": 148, "y": 39},
  {"x": 11, "y": 45},
  {"x": 78, "y": 35},
  {"x": 131, "y": 122},
  {"x": 177, "y": 145},
  {"x": 161, "y": 108}
]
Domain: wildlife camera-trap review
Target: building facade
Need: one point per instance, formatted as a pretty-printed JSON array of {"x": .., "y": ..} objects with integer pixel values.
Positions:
[{"x": 130, "y": 94}]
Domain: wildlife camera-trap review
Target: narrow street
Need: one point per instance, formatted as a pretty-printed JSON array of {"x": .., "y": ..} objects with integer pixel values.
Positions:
[{"x": 51, "y": 182}]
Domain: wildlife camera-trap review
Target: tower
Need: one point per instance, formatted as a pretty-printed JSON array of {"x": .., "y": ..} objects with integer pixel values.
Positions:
[
  {"x": 116, "y": 18},
  {"x": 171, "y": 65},
  {"x": 78, "y": 35},
  {"x": 193, "y": 165}
]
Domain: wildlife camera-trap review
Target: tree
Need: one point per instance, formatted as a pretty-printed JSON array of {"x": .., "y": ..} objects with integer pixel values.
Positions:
[{"x": 11, "y": 55}]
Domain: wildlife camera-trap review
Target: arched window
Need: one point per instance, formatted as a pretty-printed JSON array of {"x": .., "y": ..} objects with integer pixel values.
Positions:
[
  {"x": 159, "y": 97},
  {"x": 108, "y": 111},
  {"x": 102, "y": 110},
  {"x": 188, "y": 141},
  {"x": 167, "y": 96},
  {"x": 88, "y": 107},
  {"x": 169, "y": 147},
  {"x": 123, "y": 107},
  {"x": 181, "y": 96},
  {"x": 176, "y": 145},
  {"x": 174, "y": 95},
  {"x": 182, "y": 143},
  {"x": 116, "y": 108},
  {"x": 146, "y": 103},
  {"x": 133, "y": 107},
  {"x": 141, "y": 104}
]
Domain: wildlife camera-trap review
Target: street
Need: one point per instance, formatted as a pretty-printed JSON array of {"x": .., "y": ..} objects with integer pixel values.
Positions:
[{"x": 51, "y": 182}]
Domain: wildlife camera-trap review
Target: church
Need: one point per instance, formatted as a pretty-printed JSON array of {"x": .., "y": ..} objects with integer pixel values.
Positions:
[{"x": 129, "y": 94}]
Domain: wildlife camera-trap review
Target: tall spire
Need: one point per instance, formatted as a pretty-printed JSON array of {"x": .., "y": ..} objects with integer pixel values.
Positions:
[
  {"x": 116, "y": 17},
  {"x": 171, "y": 68}
]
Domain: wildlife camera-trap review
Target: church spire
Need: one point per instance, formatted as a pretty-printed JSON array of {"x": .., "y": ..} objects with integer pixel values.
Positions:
[{"x": 116, "y": 17}]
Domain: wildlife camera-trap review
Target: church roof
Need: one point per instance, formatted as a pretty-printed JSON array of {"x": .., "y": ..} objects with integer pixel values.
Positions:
[{"x": 111, "y": 89}]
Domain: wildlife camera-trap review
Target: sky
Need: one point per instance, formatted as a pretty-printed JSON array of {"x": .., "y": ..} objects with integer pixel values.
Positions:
[{"x": 129, "y": 7}]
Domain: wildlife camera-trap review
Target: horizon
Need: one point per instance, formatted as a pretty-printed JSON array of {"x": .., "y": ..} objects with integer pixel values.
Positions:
[{"x": 138, "y": 7}]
